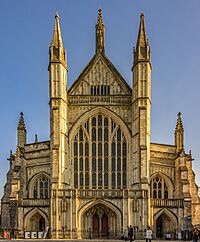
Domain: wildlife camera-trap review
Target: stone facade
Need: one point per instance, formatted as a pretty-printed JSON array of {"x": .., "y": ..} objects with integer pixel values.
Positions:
[{"x": 99, "y": 173}]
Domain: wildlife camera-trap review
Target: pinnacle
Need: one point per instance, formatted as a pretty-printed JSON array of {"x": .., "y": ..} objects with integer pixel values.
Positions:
[
  {"x": 21, "y": 123},
  {"x": 100, "y": 19},
  {"x": 57, "y": 15},
  {"x": 142, "y": 40},
  {"x": 179, "y": 125},
  {"x": 57, "y": 38},
  {"x": 100, "y": 33},
  {"x": 142, "y": 50}
]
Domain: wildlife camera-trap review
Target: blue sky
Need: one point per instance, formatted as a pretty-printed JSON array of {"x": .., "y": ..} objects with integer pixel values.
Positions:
[{"x": 173, "y": 29}]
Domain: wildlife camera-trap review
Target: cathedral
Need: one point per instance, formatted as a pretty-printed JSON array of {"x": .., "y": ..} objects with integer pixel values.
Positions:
[{"x": 99, "y": 173}]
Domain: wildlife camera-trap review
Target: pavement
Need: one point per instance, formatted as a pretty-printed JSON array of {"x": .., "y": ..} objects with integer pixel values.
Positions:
[{"x": 84, "y": 240}]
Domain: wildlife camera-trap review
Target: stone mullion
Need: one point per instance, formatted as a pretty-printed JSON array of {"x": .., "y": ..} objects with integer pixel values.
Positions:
[
  {"x": 96, "y": 141},
  {"x": 116, "y": 156},
  {"x": 162, "y": 192},
  {"x": 78, "y": 157},
  {"x": 38, "y": 188},
  {"x": 109, "y": 155},
  {"x": 103, "y": 154},
  {"x": 90, "y": 153},
  {"x": 121, "y": 161},
  {"x": 84, "y": 160},
  {"x": 156, "y": 189}
]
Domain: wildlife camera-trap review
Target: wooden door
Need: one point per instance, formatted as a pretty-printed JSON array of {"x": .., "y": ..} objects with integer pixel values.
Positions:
[
  {"x": 104, "y": 226},
  {"x": 95, "y": 226}
]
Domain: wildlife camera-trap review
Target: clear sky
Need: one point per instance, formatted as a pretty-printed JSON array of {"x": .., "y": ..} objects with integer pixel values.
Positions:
[{"x": 173, "y": 30}]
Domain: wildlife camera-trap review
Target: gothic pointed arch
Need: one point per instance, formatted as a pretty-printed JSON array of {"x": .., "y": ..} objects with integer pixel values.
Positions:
[
  {"x": 101, "y": 209},
  {"x": 99, "y": 110},
  {"x": 38, "y": 186},
  {"x": 29, "y": 216},
  {"x": 99, "y": 148},
  {"x": 166, "y": 211}
]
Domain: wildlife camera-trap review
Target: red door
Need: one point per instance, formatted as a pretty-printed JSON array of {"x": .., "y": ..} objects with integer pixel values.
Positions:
[
  {"x": 95, "y": 226},
  {"x": 104, "y": 226}
]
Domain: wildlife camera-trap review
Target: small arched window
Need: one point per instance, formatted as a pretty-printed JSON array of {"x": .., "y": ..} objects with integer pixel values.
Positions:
[
  {"x": 41, "y": 188},
  {"x": 159, "y": 188}
]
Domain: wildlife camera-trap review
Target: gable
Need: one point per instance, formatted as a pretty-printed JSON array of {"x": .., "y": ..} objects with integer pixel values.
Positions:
[{"x": 100, "y": 76}]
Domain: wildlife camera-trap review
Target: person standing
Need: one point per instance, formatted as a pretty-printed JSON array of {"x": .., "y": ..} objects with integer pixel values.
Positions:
[
  {"x": 130, "y": 233},
  {"x": 195, "y": 235},
  {"x": 148, "y": 234}
]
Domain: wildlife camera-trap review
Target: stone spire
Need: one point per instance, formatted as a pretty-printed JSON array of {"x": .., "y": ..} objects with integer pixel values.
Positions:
[
  {"x": 57, "y": 51},
  {"x": 100, "y": 34},
  {"x": 142, "y": 50},
  {"x": 21, "y": 131},
  {"x": 179, "y": 134}
]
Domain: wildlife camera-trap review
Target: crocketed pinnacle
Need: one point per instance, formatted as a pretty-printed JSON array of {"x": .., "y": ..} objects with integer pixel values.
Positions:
[
  {"x": 179, "y": 125},
  {"x": 21, "y": 123},
  {"x": 100, "y": 33}
]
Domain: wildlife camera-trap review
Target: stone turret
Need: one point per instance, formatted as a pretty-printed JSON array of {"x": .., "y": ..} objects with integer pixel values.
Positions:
[
  {"x": 141, "y": 105},
  {"x": 58, "y": 122},
  {"x": 141, "y": 99}
]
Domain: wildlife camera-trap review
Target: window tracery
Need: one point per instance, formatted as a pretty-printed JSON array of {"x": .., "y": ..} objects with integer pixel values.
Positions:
[
  {"x": 100, "y": 155},
  {"x": 41, "y": 188},
  {"x": 159, "y": 188}
]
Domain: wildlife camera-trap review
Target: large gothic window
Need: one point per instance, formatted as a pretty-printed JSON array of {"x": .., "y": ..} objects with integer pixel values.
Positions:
[
  {"x": 100, "y": 155},
  {"x": 159, "y": 188},
  {"x": 41, "y": 188}
]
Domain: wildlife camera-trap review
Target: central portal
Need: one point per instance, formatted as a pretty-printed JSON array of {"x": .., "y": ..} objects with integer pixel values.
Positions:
[{"x": 99, "y": 222}]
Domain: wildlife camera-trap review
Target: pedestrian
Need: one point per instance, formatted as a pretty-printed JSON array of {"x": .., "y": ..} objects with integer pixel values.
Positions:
[
  {"x": 148, "y": 234},
  {"x": 130, "y": 233},
  {"x": 195, "y": 235}
]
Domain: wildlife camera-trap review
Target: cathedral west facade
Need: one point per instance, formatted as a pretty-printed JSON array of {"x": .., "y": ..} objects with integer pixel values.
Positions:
[{"x": 99, "y": 172}]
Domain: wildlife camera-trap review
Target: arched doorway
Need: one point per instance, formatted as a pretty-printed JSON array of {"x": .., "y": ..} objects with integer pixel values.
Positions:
[
  {"x": 37, "y": 222},
  {"x": 165, "y": 224},
  {"x": 99, "y": 221}
]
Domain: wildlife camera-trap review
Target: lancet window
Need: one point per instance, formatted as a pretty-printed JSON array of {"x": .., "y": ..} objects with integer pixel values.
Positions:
[
  {"x": 159, "y": 188},
  {"x": 100, "y": 155}
]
